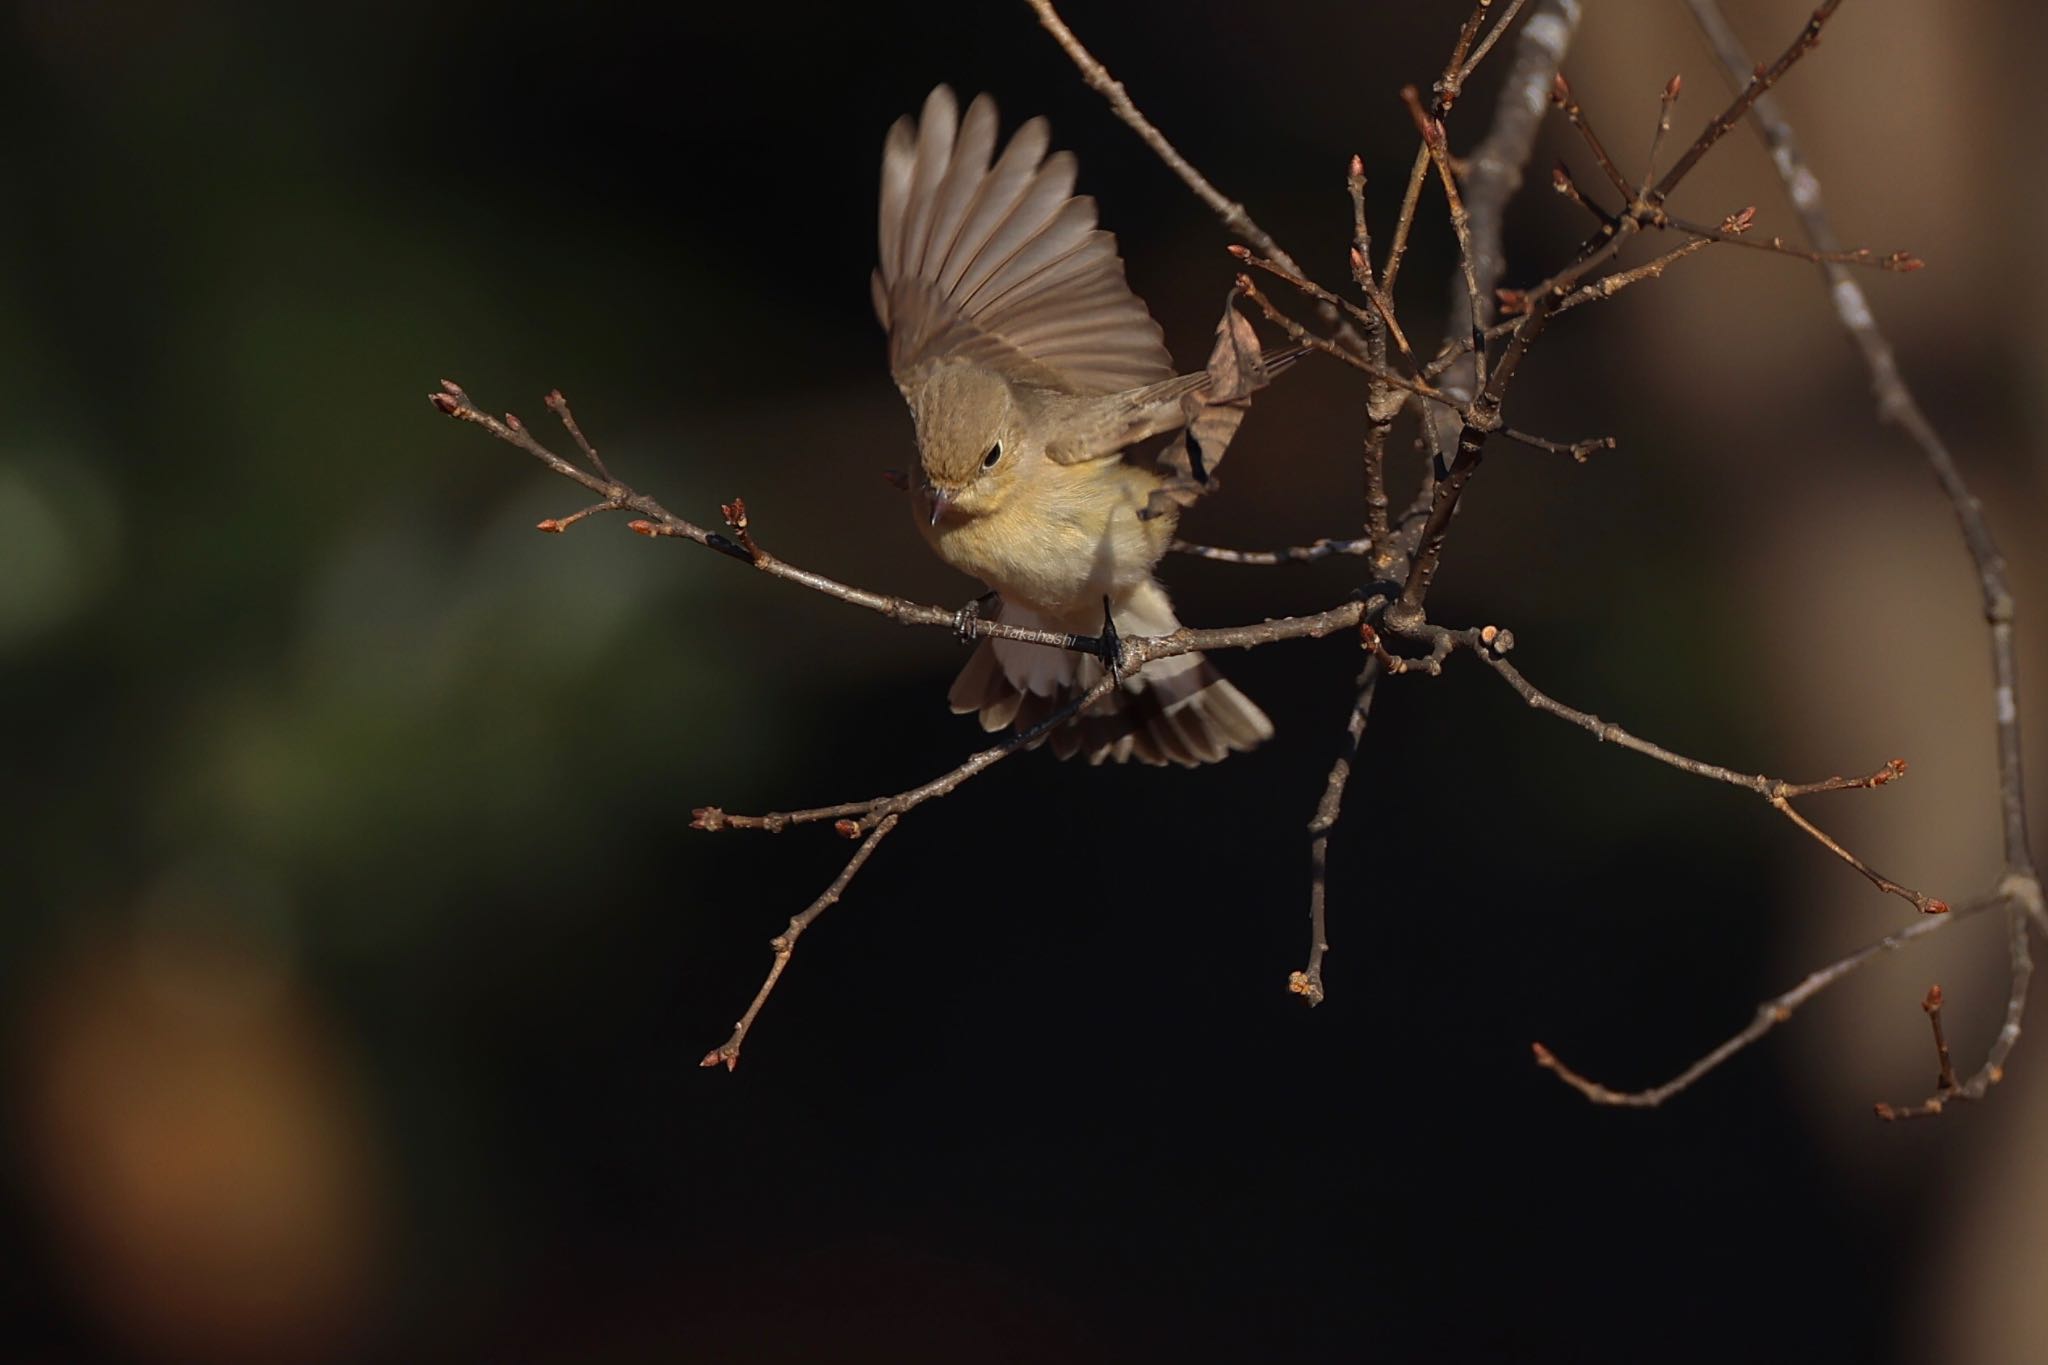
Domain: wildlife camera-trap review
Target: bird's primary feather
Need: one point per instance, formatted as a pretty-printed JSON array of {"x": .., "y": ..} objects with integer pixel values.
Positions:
[{"x": 1000, "y": 264}]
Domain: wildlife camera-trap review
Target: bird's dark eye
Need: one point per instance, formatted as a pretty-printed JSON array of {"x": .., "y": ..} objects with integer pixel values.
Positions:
[{"x": 995, "y": 453}]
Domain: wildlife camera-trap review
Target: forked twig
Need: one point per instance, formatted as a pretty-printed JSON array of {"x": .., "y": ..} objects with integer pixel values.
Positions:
[
  {"x": 1492, "y": 649},
  {"x": 727, "y": 1054},
  {"x": 1771, "y": 1013}
]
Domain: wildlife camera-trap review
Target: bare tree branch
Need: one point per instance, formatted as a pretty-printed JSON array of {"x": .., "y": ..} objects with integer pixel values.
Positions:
[
  {"x": 1460, "y": 395},
  {"x": 1491, "y": 645},
  {"x": 2020, "y": 885}
]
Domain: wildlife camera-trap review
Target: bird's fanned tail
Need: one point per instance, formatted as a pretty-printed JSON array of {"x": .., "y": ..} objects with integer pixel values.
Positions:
[{"x": 1177, "y": 710}]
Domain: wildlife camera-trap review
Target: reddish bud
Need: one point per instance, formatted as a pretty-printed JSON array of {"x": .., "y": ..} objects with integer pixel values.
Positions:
[
  {"x": 512, "y": 421},
  {"x": 1357, "y": 168},
  {"x": 444, "y": 403},
  {"x": 555, "y": 399},
  {"x": 549, "y": 524},
  {"x": 707, "y": 817},
  {"x": 735, "y": 513},
  {"x": 1935, "y": 907},
  {"x": 643, "y": 528},
  {"x": 1239, "y": 250},
  {"x": 1671, "y": 90},
  {"x": 847, "y": 829},
  {"x": 1560, "y": 89}
]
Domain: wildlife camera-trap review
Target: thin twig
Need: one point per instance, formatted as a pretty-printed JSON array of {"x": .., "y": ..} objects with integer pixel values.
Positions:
[
  {"x": 1301, "y": 334},
  {"x": 1434, "y": 140},
  {"x": 1382, "y": 323},
  {"x": 1383, "y": 402},
  {"x": 1382, "y": 314},
  {"x": 1580, "y": 451},
  {"x": 1898, "y": 262},
  {"x": 1561, "y": 95},
  {"x": 1606, "y": 287},
  {"x": 876, "y": 818},
  {"x": 1771, "y": 1013},
  {"x": 1779, "y": 793},
  {"x": 1492, "y": 174},
  {"x": 1405, "y": 224},
  {"x": 1493, "y": 36},
  {"x": 1308, "y": 982},
  {"x": 1233, "y": 214},
  {"x": 855, "y": 818},
  {"x": 1561, "y": 180},
  {"x": 559, "y": 406},
  {"x": 1291, "y": 554},
  {"x": 727, "y": 1054},
  {"x": 1657, "y": 135},
  {"x": 2022, "y": 898},
  {"x": 1761, "y": 79}
]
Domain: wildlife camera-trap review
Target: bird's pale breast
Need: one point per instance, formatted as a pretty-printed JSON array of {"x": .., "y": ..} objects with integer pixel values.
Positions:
[{"x": 1068, "y": 540}]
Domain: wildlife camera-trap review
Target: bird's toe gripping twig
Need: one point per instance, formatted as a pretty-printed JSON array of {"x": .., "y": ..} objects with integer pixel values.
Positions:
[
  {"x": 1110, "y": 645},
  {"x": 964, "y": 619}
]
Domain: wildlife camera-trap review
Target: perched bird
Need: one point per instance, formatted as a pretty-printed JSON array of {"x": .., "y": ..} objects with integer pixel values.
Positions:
[{"x": 1029, "y": 367}]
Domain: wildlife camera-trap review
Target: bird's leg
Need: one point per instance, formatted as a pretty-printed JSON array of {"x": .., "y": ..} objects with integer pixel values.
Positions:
[
  {"x": 964, "y": 619},
  {"x": 1110, "y": 646}
]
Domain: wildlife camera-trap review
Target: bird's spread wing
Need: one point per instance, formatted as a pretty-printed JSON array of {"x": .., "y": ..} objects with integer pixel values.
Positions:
[{"x": 1000, "y": 264}]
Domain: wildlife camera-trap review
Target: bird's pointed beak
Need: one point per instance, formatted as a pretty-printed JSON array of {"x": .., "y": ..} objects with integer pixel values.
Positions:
[{"x": 940, "y": 500}]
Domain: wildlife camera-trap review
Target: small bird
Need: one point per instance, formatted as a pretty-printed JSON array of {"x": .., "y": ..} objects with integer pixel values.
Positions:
[{"x": 1030, "y": 366}]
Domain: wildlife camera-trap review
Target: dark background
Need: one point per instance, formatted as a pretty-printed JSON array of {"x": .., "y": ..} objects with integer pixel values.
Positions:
[{"x": 357, "y": 954}]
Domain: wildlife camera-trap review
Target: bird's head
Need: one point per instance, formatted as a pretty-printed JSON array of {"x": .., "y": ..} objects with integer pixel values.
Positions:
[{"x": 971, "y": 442}]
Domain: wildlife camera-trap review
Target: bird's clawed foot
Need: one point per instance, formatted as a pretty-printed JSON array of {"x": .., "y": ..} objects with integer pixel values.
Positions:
[
  {"x": 964, "y": 619},
  {"x": 1110, "y": 645}
]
